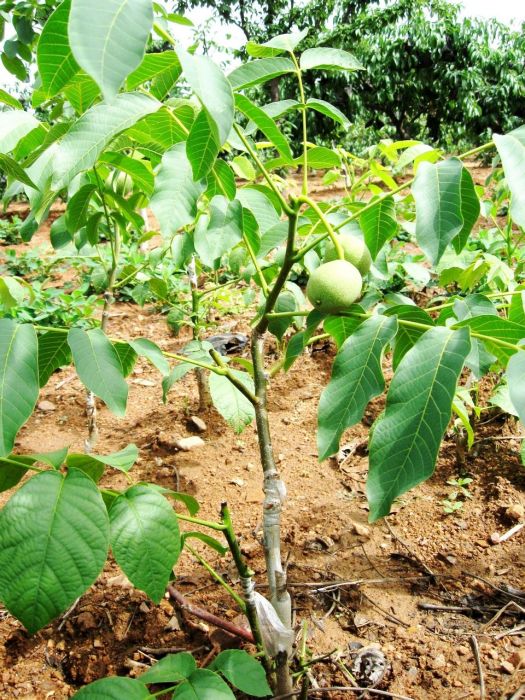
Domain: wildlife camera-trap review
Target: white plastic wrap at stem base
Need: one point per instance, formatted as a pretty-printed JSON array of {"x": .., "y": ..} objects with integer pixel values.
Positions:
[{"x": 275, "y": 636}]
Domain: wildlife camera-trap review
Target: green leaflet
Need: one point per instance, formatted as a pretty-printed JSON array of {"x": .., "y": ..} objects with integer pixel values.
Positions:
[
  {"x": 108, "y": 39},
  {"x": 91, "y": 133},
  {"x": 204, "y": 685},
  {"x": 170, "y": 669},
  {"x": 15, "y": 171},
  {"x": 78, "y": 207},
  {"x": 56, "y": 64},
  {"x": 202, "y": 145},
  {"x": 492, "y": 326},
  {"x": 81, "y": 92},
  {"x": 114, "y": 688},
  {"x": 213, "y": 90},
  {"x": 9, "y": 100},
  {"x": 18, "y": 379},
  {"x": 512, "y": 153},
  {"x": 341, "y": 327},
  {"x": 220, "y": 231},
  {"x": 259, "y": 71},
  {"x": 329, "y": 59},
  {"x": 98, "y": 367},
  {"x": 356, "y": 379},
  {"x": 53, "y": 352},
  {"x": 14, "y": 125},
  {"x": 93, "y": 464},
  {"x": 479, "y": 360},
  {"x": 162, "y": 69},
  {"x": 233, "y": 406},
  {"x": 54, "y": 538},
  {"x": 148, "y": 349},
  {"x": 328, "y": 110},
  {"x": 266, "y": 124},
  {"x": 276, "y": 45},
  {"x": 174, "y": 200},
  {"x": 407, "y": 336},
  {"x": 516, "y": 382},
  {"x": 470, "y": 209},
  {"x": 405, "y": 439},
  {"x": 243, "y": 672},
  {"x": 437, "y": 192},
  {"x": 145, "y": 538},
  {"x": 379, "y": 225}
]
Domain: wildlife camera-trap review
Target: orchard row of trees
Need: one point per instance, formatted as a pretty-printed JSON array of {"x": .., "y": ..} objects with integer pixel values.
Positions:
[{"x": 429, "y": 73}]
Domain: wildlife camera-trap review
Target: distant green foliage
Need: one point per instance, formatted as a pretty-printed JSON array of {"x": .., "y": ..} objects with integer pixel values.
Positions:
[{"x": 430, "y": 73}]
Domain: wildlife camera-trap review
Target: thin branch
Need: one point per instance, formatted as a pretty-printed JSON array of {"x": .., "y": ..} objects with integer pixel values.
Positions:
[{"x": 209, "y": 617}]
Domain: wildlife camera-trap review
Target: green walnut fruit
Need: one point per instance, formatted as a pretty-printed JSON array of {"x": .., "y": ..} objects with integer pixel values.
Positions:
[
  {"x": 334, "y": 286},
  {"x": 355, "y": 252}
]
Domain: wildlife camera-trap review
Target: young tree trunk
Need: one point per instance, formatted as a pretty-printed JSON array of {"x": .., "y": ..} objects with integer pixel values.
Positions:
[
  {"x": 274, "y": 496},
  {"x": 91, "y": 405},
  {"x": 202, "y": 378}
]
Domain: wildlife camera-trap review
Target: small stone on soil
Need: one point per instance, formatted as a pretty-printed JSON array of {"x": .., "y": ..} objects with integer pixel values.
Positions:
[
  {"x": 189, "y": 443},
  {"x": 507, "y": 667},
  {"x": 197, "y": 424},
  {"x": 46, "y": 406},
  {"x": 361, "y": 530}
]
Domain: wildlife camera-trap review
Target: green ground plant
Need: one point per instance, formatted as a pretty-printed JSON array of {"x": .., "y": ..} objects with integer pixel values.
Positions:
[{"x": 114, "y": 117}]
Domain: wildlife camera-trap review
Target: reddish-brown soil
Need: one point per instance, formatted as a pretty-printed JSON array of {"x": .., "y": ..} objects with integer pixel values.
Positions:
[{"x": 387, "y": 570}]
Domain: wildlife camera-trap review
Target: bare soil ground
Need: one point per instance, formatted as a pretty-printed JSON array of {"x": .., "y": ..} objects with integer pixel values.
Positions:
[{"x": 387, "y": 571}]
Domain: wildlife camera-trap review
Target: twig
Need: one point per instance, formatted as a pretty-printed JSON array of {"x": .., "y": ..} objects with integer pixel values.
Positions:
[
  {"x": 496, "y": 538},
  {"x": 502, "y": 612},
  {"x": 67, "y": 614},
  {"x": 520, "y": 693},
  {"x": 460, "y": 608},
  {"x": 181, "y": 601},
  {"x": 327, "y": 586},
  {"x": 521, "y": 598},
  {"x": 475, "y": 651},
  {"x": 385, "y": 612},
  {"x": 347, "y": 689},
  {"x": 408, "y": 548},
  {"x": 161, "y": 651}
]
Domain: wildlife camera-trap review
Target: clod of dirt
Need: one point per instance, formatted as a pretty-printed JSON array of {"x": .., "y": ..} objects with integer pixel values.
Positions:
[
  {"x": 189, "y": 443},
  {"x": 515, "y": 512},
  {"x": 518, "y": 659},
  {"x": 86, "y": 621}
]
